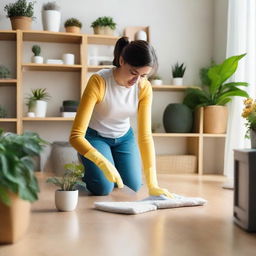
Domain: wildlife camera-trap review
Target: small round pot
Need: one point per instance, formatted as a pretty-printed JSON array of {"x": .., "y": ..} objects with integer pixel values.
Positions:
[
  {"x": 37, "y": 59},
  {"x": 177, "y": 81},
  {"x": 103, "y": 31},
  {"x": 21, "y": 22},
  {"x": 72, "y": 29},
  {"x": 31, "y": 114},
  {"x": 156, "y": 82},
  {"x": 66, "y": 201}
]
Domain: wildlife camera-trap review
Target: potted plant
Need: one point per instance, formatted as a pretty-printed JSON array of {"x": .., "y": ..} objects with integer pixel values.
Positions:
[
  {"x": 18, "y": 183},
  {"x": 178, "y": 73},
  {"x": 36, "y": 49},
  {"x": 216, "y": 95},
  {"x": 21, "y": 14},
  {"x": 37, "y": 102},
  {"x": 66, "y": 197},
  {"x": 155, "y": 80},
  {"x": 104, "y": 26},
  {"x": 249, "y": 113},
  {"x": 73, "y": 25},
  {"x": 4, "y": 72},
  {"x": 3, "y": 113},
  {"x": 51, "y": 16}
]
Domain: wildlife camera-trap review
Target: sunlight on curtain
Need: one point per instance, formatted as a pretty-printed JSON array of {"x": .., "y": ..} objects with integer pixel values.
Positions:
[{"x": 241, "y": 39}]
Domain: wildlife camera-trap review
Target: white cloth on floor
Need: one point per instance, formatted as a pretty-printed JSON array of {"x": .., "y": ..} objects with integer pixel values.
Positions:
[{"x": 150, "y": 203}]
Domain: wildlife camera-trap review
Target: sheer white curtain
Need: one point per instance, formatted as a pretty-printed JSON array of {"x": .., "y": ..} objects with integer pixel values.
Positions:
[{"x": 241, "y": 39}]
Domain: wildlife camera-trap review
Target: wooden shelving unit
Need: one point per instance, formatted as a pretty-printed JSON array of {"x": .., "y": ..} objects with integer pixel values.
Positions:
[{"x": 194, "y": 141}]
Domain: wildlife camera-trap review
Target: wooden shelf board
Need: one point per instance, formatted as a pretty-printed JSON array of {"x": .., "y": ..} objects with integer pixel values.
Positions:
[
  {"x": 210, "y": 135},
  {"x": 102, "y": 39},
  {"x": 51, "y": 67},
  {"x": 171, "y": 87},
  {"x": 8, "y": 35},
  {"x": 47, "y": 119},
  {"x": 8, "y": 81},
  {"x": 52, "y": 37},
  {"x": 96, "y": 68},
  {"x": 175, "y": 134},
  {"x": 8, "y": 119}
]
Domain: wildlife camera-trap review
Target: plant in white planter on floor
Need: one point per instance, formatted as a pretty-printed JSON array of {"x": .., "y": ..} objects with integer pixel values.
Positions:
[
  {"x": 66, "y": 197},
  {"x": 37, "y": 102},
  {"x": 178, "y": 73},
  {"x": 51, "y": 17},
  {"x": 36, "y": 49}
]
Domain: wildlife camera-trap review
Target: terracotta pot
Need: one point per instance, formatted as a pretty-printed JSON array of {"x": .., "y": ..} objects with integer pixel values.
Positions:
[
  {"x": 103, "y": 31},
  {"x": 20, "y": 22},
  {"x": 72, "y": 29},
  {"x": 14, "y": 219},
  {"x": 215, "y": 119}
]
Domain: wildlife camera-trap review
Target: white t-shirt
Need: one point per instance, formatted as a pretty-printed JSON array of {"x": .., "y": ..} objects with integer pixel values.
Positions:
[{"x": 111, "y": 116}]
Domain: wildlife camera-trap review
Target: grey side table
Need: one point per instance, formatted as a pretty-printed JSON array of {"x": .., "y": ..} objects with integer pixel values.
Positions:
[{"x": 245, "y": 188}]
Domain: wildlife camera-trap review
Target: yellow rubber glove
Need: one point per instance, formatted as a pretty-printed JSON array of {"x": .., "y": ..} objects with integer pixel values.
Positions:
[
  {"x": 107, "y": 168},
  {"x": 153, "y": 188}
]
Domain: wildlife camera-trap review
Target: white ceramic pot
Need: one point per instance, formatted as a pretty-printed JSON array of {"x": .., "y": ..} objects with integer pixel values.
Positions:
[
  {"x": 31, "y": 114},
  {"x": 156, "y": 82},
  {"x": 141, "y": 35},
  {"x": 68, "y": 58},
  {"x": 40, "y": 108},
  {"x": 51, "y": 20},
  {"x": 66, "y": 200},
  {"x": 178, "y": 81},
  {"x": 37, "y": 59}
]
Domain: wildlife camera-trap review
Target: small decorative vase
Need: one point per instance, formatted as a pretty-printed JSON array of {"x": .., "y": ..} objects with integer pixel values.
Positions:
[
  {"x": 253, "y": 138},
  {"x": 156, "y": 82},
  {"x": 68, "y": 58}
]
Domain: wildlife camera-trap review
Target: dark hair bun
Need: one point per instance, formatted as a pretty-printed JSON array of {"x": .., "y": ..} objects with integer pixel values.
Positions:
[{"x": 120, "y": 45}]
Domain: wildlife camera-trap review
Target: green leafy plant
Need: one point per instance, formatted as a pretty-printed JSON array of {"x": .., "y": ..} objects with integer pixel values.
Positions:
[
  {"x": 72, "y": 177},
  {"x": 3, "y": 113},
  {"x": 17, "y": 165},
  {"x": 178, "y": 70},
  {"x": 72, "y": 22},
  {"x": 104, "y": 22},
  {"x": 36, "y": 49},
  {"x": 203, "y": 73},
  {"x": 4, "y": 72},
  {"x": 217, "y": 92},
  {"x": 51, "y": 6},
  {"x": 20, "y": 8}
]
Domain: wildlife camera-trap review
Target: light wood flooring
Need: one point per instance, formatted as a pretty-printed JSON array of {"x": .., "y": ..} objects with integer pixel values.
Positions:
[{"x": 206, "y": 230}]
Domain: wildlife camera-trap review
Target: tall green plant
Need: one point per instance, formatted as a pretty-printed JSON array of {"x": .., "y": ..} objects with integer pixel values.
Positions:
[
  {"x": 17, "y": 166},
  {"x": 217, "y": 92}
]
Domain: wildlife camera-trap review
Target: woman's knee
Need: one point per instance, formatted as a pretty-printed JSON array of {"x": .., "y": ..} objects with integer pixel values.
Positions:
[
  {"x": 135, "y": 186},
  {"x": 99, "y": 189}
]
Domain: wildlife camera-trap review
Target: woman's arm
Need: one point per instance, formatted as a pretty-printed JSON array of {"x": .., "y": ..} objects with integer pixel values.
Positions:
[{"x": 145, "y": 140}]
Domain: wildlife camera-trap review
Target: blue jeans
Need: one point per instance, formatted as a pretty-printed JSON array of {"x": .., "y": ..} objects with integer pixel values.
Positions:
[{"x": 122, "y": 152}]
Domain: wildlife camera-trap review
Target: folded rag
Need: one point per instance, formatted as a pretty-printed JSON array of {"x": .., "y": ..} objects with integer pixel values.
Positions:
[{"x": 150, "y": 203}]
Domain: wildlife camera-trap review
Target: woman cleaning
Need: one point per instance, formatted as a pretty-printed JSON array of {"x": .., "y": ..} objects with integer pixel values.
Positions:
[{"x": 101, "y": 132}]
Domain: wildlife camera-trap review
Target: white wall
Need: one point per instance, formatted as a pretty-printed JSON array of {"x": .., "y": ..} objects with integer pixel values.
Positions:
[{"x": 189, "y": 31}]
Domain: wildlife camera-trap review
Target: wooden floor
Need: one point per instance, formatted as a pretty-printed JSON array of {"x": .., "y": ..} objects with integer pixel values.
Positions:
[{"x": 206, "y": 230}]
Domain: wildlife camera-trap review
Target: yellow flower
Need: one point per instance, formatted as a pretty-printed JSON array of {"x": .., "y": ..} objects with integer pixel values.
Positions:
[{"x": 248, "y": 101}]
